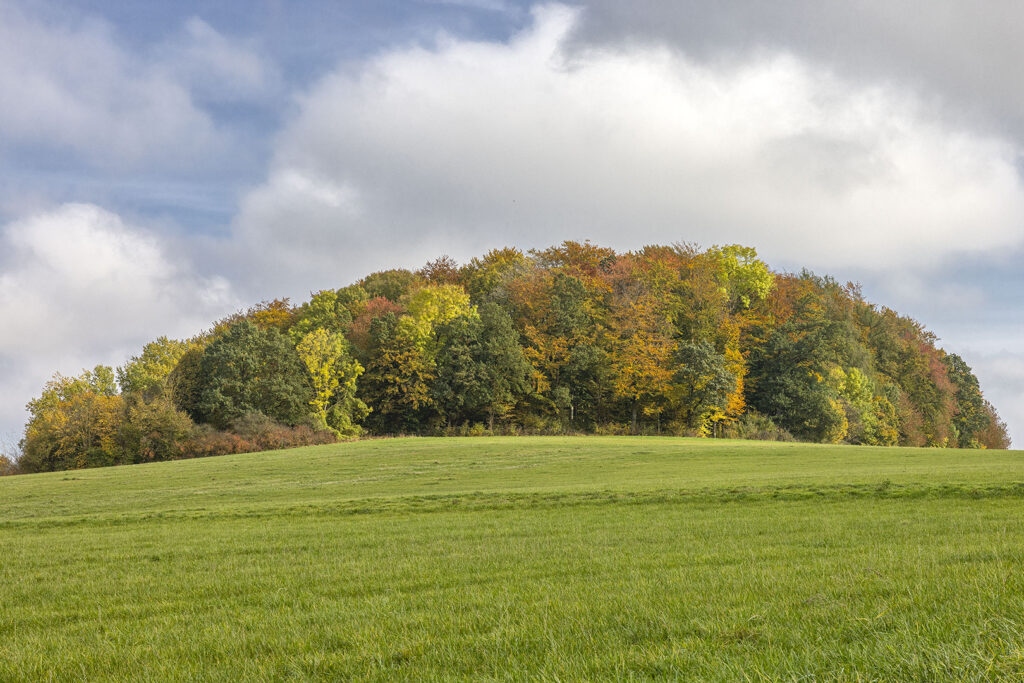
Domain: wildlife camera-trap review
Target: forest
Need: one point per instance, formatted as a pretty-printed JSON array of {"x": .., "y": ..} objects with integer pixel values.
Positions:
[{"x": 576, "y": 338}]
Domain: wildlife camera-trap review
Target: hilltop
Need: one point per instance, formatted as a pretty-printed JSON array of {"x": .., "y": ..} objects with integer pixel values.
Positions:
[{"x": 573, "y": 339}]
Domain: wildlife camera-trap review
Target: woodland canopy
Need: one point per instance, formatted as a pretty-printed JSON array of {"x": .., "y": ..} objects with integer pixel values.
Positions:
[{"x": 576, "y": 338}]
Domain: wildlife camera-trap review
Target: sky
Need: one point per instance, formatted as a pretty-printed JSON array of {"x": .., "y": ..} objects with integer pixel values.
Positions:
[{"x": 165, "y": 164}]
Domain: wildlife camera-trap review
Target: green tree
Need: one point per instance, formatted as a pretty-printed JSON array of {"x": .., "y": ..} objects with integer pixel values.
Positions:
[
  {"x": 485, "y": 277},
  {"x": 324, "y": 311},
  {"x": 507, "y": 370},
  {"x": 430, "y": 307},
  {"x": 460, "y": 387},
  {"x": 789, "y": 379},
  {"x": 701, "y": 384},
  {"x": 146, "y": 373},
  {"x": 252, "y": 370},
  {"x": 745, "y": 278},
  {"x": 398, "y": 378},
  {"x": 154, "y": 429},
  {"x": 390, "y": 284},
  {"x": 481, "y": 371},
  {"x": 971, "y": 417},
  {"x": 184, "y": 383}
]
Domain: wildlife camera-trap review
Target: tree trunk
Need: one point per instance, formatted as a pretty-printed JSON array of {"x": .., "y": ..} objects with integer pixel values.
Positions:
[{"x": 636, "y": 404}]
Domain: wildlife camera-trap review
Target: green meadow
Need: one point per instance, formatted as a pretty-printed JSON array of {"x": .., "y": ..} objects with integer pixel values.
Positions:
[{"x": 547, "y": 558}]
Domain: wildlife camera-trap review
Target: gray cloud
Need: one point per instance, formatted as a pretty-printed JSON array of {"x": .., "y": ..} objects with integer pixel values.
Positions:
[{"x": 961, "y": 56}]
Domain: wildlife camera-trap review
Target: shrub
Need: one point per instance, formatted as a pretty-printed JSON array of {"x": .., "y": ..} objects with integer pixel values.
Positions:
[
  {"x": 250, "y": 433},
  {"x": 8, "y": 466},
  {"x": 757, "y": 427}
]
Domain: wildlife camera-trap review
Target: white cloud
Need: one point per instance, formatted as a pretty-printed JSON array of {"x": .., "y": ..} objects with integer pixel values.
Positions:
[
  {"x": 469, "y": 145},
  {"x": 79, "y": 286}
]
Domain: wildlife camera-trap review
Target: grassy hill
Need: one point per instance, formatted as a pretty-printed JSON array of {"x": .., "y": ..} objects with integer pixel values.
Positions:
[{"x": 509, "y": 558}]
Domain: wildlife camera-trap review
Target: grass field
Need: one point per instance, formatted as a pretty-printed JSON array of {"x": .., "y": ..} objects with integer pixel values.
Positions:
[{"x": 520, "y": 558}]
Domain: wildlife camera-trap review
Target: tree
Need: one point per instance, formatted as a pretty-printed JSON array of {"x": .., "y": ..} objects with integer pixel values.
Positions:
[
  {"x": 252, "y": 370},
  {"x": 397, "y": 383},
  {"x": 460, "y": 388},
  {"x": 508, "y": 372},
  {"x": 390, "y": 284},
  {"x": 430, "y": 307},
  {"x": 994, "y": 434},
  {"x": 882, "y": 429},
  {"x": 576, "y": 336},
  {"x": 481, "y": 371},
  {"x": 333, "y": 374},
  {"x": 745, "y": 278},
  {"x": 277, "y": 314},
  {"x": 563, "y": 330},
  {"x": 701, "y": 384},
  {"x": 971, "y": 417},
  {"x": 789, "y": 374},
  {"x": 359, "y": 332},
  {"x": 8, "y": 465},
  {"x": 74, "y": 423},
  {"x": 324, "y": 311},
  {"x": 485, "y": 277},
  {"x": 641, "y": 363},
  {"x": 153, "y": 429},
  {"x": 441, "y": 271},
  {"x": 185, "y": 382},
  {"x": 147, "y": 372}
]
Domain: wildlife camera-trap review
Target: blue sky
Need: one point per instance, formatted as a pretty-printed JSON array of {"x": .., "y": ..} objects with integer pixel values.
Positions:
[{"x": 163, "y": 164}]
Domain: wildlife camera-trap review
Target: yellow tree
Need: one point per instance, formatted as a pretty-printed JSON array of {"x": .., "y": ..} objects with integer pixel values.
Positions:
[
  {"x": 333, "y": 373},
  {"x": 641, "y": 361},
  {"x": 430, "y": 307},
  {"x": 744, "y": 278}
]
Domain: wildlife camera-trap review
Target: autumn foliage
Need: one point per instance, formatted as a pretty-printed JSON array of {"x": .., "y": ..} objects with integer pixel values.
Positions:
[{"x": 574, "y": 338}]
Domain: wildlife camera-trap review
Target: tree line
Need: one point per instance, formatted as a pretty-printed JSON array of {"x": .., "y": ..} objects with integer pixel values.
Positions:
[{"x": 574, "y": 338}]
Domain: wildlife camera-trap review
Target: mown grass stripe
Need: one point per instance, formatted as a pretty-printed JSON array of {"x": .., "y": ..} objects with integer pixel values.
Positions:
[{"x": 484, "y": 501}]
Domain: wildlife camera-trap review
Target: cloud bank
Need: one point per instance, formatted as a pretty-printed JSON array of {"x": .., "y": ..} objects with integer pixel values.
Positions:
[{"x": 465, "y": 145}]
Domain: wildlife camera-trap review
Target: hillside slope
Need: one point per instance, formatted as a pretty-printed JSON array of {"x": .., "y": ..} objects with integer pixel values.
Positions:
[{"x": 516, "y": 557}]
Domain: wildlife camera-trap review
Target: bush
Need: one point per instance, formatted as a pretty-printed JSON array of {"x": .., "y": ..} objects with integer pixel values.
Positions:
[
  {"x": 10, "y": 457},
  {"x": 8, "y": 466},
  {"x": 756, "y": 427},
  {"x": 542, "y": 425},
  {"x": 612, "y": 429},
  {"x": 250, "y": 433},
  {"x": 153, "y": 429}
]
